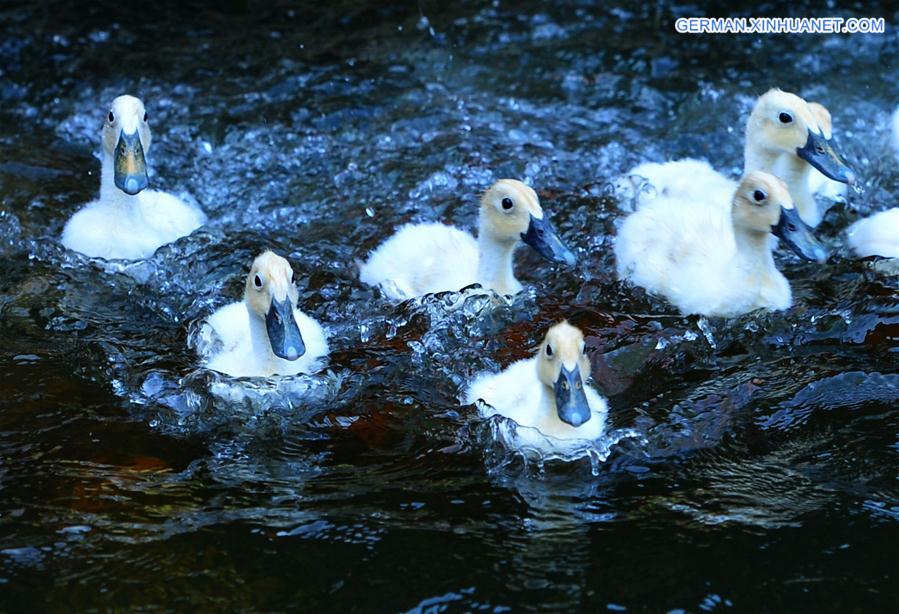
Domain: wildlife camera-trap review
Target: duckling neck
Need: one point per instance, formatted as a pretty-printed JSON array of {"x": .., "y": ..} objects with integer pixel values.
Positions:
[
  {"x": 109, "y": 193},
  {"x": 793, "y": 170},
  {"x": 795, "y": 173},
  {"x": 754, "y": 251},
  {"x": 495, "y": 264},
  {"x": 262, "y": 348}
]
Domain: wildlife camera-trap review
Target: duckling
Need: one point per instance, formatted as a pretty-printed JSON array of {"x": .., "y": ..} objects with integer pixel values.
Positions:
[
  {"x": 877, "y": 235},
  {"x": 265, "y": 334},
  {"x": 128, "y": 221},
  {"x": 547, "y": 393},
  {"x": 425, "y": 258},
  {"x": 783, "y": 137},
  {"x": 710, "y": 260}
]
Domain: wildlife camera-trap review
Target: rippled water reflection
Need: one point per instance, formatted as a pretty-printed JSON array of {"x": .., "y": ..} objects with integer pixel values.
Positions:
[{"x": 760, "y": 467}]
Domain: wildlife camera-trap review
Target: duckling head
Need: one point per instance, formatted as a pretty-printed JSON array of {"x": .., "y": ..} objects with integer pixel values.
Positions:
[
  {"x": 126, "y": 138},
  {"x": 562, "y": 367},
  {"x": 762, "y": 204},
  {"x": 822, "y": 116},
  {"x": 271, "y": 295},
  {"x": 511, "y": 211},
  {"x": 782, "y": 122}
]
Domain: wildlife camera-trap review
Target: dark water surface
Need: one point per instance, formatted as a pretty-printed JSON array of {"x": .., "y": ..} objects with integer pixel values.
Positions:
[{"x": 760, "y": 473}]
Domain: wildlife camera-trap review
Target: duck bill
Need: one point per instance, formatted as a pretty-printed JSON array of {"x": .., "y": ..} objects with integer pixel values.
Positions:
[
  {"x": 129, "y": 164},
  {"x": 543, "y": 238},
  {"x": 795, "y": 233},
  {"x": 571, "y": 400},
  {"x": 283, "y": 332},
  {"x": 820, "y": 153}
]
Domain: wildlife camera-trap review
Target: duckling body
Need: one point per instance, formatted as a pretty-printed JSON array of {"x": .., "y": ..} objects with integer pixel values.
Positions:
[
  {"x": 265, "y": 334},
  {"x": 425, "y": 258},
  {"x": 545, "y": 394},
  {"x": 877, "y": 235},
  {"x": 711, "y": 260},
  {"x": 785, "y": 136},
  {"x": 128, "y": 221}
]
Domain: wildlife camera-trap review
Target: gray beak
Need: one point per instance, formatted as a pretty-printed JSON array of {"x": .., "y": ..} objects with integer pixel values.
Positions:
[
  {"x": 820, "y": 153},
  {"x": 283, "y": 332},
  {"x": 571, "y": 400},
  {"x": 129, "y": 164},
  {"x": 798, "y": 236},
  {"x": 543, "y": 238}
]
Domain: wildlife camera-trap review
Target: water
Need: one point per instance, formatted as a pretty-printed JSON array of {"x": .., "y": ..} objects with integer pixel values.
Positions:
[{"x": 757, "y": 463}]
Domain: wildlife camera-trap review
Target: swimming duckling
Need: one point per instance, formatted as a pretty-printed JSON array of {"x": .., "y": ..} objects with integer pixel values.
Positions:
[
  {"x": 128, "y": 221},
  {"x": 425, "y": 258},
  {"x": 877, "y": 235},
  {"x": 711, "y": 260},
  {"x": 265, "y": 334},
  {"x": 547, "y": 392},
  {"x": 783, "y": 137}
]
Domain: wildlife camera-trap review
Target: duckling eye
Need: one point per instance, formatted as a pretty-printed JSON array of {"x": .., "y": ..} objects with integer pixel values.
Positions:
[
  {"x": 785, "y": 118},
  {"x": 549, "y": 350},
  {"x": 578, "y": 384},
  {"x": 257, "y": 281},
  {"x": 791, "y": 227},
  {"x": 507, "y": 203},
  {"x": 819, "y": 149},
  {"x": 111, "y": 117},
  {"x": 759, "y": 196}
]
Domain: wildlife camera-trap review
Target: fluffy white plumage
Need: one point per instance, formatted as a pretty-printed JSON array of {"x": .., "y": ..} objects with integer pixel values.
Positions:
[
  {"x": 239, "y": 357},
  {"x": 256, "y": 336},
  {"x": 422, "y": 259},
  {"x": 128, "y": 226},
  {"x": 689, "y": 251},
  {"x": 877, "y": 235},
  {"x": 766, "y": 149},
  {"x": 425, "y": 258},
  {"x": 685, "y": 178},
  {"x": 518, "y": 394},
  {"x": 109, "y": 228}
]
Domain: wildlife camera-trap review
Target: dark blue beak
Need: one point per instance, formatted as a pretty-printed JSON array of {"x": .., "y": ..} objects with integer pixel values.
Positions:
[
  {"x": 283, "y": 332},
  {"x": 129, "y": 164},
  {"x": 820, "y": 153},
  {"x": 798, "y": 236},
  {"x": 571, "y": 400},
  {"x": 543, "y": 238}
]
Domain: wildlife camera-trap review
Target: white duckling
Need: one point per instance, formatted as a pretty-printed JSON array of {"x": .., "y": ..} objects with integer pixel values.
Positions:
[
  {"x": 425, "y": 258},
  {"x": 128, "y": 221},
  {"x": 265, "y": 334},
  {"x": 547, "y": 394},
  {"x": 783, "y": 137},
  {"x": 710, "y": 260},
  {"x": 877, "y": 235}
]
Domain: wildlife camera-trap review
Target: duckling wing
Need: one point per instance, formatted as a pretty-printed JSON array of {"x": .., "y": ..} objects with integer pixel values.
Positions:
[
  {"x": 877, "y": 235},
  {"x": 680, "y": 179},
  {"x": 421, "y": 259},
  {"x": 169, "y": 218},
  {"x": 231, "y": 326},
  {"x": 677, "y": 248},
  {"x": 515, "y": 393},
  {"x": 316, "y": 342},
  {"x": 101, "y": 231}
]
